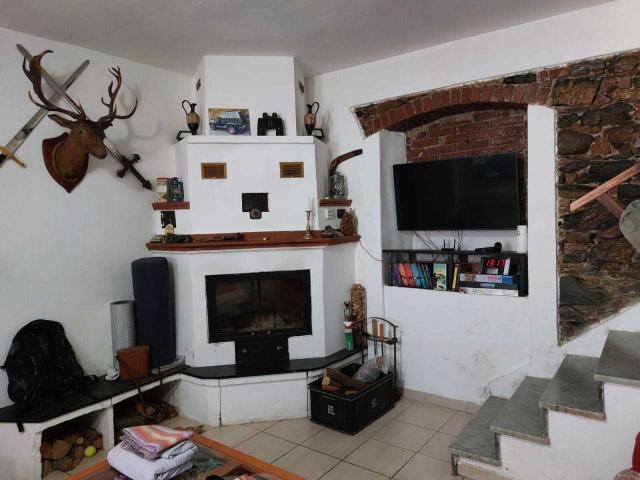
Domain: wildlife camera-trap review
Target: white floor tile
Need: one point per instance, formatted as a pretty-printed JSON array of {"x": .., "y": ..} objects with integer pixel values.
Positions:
[
  {"x": 421, "y": 467},
  {"x": 347, "y": 471},
  {"x": 404, "y": 435},
  {"x": 380, "y": 457},
  {"x": 438, "y": 447},
  {"x": 295, "y": 430},
  {"x": 266, "y": 447},
  {"x": 334, "y": 443},
  {"x": 427, "y": 416},
  {"x": 230, "y": 435},
  {"x": 307, "y": 463}
]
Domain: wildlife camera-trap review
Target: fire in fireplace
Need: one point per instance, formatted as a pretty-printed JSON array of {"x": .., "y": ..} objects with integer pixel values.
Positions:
[{"x": 258, "y": 305}]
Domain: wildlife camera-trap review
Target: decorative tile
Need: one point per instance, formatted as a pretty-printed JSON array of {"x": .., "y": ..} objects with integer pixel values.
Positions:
[
  {"x": 333, "y": 443},
  {"x": 456, "y": 424},
  {"x": 438, "y": 447},
  {"x": 427, "y": 416},
  {"x": 306, "y": 463},
  {"x": 295, "y": 430},
  {"x": 424, "y": 467},
  {"x": 346, "y": 471},
  {"x": 230, "y": 435},
  {"x": 380, "y": 457},
  {"x": 266, "y": 447},
  {"x": 404, "y": 435}
]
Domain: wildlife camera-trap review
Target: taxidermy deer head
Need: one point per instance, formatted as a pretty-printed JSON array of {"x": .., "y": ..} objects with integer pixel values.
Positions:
[{"x": 67, "y": 156}]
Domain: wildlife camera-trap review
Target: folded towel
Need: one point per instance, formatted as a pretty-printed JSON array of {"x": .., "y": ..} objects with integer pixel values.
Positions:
[
  {"x": 149, "y": 441},
  {"x": 178, "y": 449},
  {"x": 137, "y": 468}
]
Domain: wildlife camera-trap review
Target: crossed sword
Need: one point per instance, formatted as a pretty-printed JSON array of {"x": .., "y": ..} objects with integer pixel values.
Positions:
[{"x": 60, "y": 91}]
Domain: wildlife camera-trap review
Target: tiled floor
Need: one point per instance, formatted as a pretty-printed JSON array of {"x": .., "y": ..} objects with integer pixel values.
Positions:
[{"x": 410, "y": 442}]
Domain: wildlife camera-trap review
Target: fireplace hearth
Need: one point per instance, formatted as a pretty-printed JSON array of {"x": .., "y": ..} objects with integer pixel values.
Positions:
[{"x": 259, "y": 312}]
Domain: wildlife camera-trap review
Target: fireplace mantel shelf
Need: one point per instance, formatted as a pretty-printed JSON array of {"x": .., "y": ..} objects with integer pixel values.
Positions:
[{"x": 252, "y": 240}]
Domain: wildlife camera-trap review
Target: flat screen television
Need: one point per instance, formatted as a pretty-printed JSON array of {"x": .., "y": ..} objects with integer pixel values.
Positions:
[
  {"x": 262, "y": 304},
  {"x": 477, "y": 193}
]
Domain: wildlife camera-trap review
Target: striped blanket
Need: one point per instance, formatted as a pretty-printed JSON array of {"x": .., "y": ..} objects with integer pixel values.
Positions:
[{"x": 149, "y": 441}]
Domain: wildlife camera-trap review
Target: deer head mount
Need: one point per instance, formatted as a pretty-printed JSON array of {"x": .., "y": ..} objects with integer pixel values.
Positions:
[{"x": 67, "y": 156}]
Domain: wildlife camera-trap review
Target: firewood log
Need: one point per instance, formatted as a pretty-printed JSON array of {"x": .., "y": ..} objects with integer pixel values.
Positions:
[
  {"x": 63, "y": 464},
  {"x": 47, "y": 468},
  {"x": 76, "y": 461},
  {"x": 344, "y": 380},
  {"x": 59, "y": 449},
  {"x": 72, "y": 437},
  {"x": 98, "y": 442},
  {"x": 327, "y": 382},
  {"x": 90, "y": 434},
  {"x": 351, "y": 392},
  {"x": 330, "y": 388},
  {"x": 77, "y": 451},
  {"x": 45, "y": 450}
]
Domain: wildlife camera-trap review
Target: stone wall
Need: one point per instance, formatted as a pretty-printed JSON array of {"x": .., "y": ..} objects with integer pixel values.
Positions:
[{"x": 597, "y": 102}]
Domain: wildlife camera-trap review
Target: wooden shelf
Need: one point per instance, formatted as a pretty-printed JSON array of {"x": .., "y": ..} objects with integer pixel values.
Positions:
[
  {"x": 171, "y": 205},
  {"x": 335, "y": 202},
  {"x": 278, "y": 239}
]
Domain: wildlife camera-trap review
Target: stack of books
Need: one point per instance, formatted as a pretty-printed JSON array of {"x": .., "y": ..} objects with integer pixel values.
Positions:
[
  {"x": 426, "y": 275},
  {"x": 488, "y": 284}
]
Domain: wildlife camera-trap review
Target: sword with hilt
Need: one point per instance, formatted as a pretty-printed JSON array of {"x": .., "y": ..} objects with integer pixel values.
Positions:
[
  {"x": 8, "y": 151},
  {"x": 127, "y": 164}
]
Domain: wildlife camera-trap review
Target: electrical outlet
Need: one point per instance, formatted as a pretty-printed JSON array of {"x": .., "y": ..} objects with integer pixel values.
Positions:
[{"x": 330, "y": 214}]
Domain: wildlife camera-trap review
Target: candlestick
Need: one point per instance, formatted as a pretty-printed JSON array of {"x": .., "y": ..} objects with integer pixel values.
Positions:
[{"x": 308, "y": 235}]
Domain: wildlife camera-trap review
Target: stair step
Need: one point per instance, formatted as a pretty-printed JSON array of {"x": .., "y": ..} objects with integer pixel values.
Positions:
[
  {"x": 620, "y": 359},
  {"x": 573, "y": 388},
  {"x": 522, "y": 416},
  {"x": 477, "y": 441}
]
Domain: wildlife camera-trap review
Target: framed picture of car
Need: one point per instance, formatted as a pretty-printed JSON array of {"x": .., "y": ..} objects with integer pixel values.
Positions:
[{"x": 229, "y": 121}]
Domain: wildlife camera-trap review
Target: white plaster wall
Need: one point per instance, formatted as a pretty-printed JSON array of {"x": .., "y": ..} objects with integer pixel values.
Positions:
[
  {"x": 261, "y": 84},
  {"x": 339, "y": 276},
  {"x": 253, "y": 166},
  {"x": 63, "y": 256},
  {"x": 528, "y": 323}
]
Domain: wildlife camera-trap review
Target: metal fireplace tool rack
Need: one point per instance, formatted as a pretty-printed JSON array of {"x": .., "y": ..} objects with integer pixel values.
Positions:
[{"x": 382, "y": 340}]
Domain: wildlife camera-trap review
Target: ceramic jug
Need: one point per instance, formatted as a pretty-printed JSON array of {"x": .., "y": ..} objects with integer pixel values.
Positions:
[
  {"x": 310, "y": 117},
  {"x": 193, "y": 119}
]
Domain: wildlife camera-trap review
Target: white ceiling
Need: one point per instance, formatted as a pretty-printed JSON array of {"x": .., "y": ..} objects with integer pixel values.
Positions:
[{"x": 324, "y": 35}]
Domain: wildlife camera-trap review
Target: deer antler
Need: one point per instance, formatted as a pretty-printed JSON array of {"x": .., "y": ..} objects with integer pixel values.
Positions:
[
  {"x": 113, "y": 93},
  {"x": 34, "y": 74}
]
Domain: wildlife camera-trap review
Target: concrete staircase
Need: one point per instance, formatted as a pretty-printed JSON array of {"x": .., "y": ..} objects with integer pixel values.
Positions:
[{"x": 559, "y": 428}]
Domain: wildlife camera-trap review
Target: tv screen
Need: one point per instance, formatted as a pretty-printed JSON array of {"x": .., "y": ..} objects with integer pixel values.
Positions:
[{"x": 476, "y": 193}]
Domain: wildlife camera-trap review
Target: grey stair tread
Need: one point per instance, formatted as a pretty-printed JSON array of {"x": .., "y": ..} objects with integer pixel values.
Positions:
[
  {"x": 522, "y": 416},
  {"x": 620, "y": 359},
  {"x": 573, "y": 389},
  {"x": 477, "y": 441}
]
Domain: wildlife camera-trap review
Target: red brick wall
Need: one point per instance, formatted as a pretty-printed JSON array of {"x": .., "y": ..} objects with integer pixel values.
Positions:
[{"x": 469, "y": 134}]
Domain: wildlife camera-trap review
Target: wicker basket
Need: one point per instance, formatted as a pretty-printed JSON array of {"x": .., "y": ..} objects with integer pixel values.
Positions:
[{"x": 134, "y": 362}]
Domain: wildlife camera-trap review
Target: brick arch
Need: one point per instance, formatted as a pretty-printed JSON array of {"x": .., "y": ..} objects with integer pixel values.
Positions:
[
  {"x": 404, "y": 113},
  {"x": 597, "y": 103}
]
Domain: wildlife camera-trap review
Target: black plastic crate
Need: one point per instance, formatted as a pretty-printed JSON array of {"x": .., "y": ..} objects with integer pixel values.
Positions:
[{"x": 350, "y": 414}]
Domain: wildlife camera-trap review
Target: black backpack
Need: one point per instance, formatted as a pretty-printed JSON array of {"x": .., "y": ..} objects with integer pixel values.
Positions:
[{"x": 42, "y": 367}]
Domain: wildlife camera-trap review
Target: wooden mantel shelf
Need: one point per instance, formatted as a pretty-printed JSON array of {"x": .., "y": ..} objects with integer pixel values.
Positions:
[
  {"x": 171, "y": 205},
  {"x": 213, "y": 241},
  {"x": 335, "y": 202}
]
